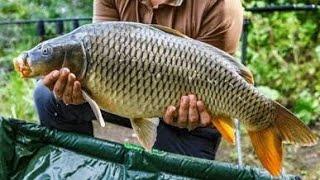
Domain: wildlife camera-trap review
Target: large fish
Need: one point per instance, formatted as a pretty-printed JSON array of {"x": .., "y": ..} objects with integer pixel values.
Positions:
[{"x": 136, "y": 70}]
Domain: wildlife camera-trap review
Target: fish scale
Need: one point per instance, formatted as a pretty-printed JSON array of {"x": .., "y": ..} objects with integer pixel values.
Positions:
[{"x": 137, "y": 71}]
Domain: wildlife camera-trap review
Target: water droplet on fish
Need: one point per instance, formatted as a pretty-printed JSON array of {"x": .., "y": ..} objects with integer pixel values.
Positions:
[
  {"x": 158, "y": 76},
  {"x": 56, "y": 114}
]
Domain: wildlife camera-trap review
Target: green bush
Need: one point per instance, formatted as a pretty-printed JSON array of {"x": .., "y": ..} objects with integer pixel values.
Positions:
[
  {"x": 284, "y": 55},
  {"x": 17, "y": 97},
  {"x": 16, "y": 93}
]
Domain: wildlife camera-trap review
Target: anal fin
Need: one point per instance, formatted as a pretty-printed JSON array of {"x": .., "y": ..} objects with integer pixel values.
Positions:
[
  {"x": 225, "y": 126},
  {"x": 146, "y": 130}
]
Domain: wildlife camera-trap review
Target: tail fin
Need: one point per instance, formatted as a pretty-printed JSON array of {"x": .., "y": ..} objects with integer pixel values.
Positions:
[
  {"x": 291, "y": 129},
  {"x": 286, "y": 127},
  {"x": 267, "y": 144}
]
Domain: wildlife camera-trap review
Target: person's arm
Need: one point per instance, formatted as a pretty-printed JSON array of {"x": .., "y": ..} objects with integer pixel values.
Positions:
[
  {"x": 105, "y": 10},
  {"x": 63, "y": 83},
  {"x": 222, "y": 24}
]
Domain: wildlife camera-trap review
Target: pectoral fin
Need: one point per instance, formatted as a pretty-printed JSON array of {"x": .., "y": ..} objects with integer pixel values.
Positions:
[
  {"x": 225, "y": 126},
  {"x": 146, "y": 130},
  {"x": 95, "y": 108}
]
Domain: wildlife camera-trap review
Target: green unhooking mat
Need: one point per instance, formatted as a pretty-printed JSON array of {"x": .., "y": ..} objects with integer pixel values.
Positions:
[{"x": 30, "y": 151}]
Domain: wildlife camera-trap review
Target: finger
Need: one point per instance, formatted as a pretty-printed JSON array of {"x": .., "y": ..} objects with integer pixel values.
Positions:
[
  {"x": 50, "y": 79},
  {"x": 183, "y": 112},
  {"x": 61, "y": 82},
  {"x": 67, "y": 94},
  {"x": 193, "y": 112},
  {"x": 77, "y": 93},
  {"x": 169, "y": 115},
  {"x": 205, "y": 117}
]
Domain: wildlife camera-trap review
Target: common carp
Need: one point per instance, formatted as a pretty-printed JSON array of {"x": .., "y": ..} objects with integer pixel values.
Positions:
[{"x": 136, "y": 70}]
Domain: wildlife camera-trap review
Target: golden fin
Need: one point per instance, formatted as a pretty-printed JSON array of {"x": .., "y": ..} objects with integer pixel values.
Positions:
[
  {"x": 291, "y": 129},
  {"x": 146, "y": 130},
  {"x": 268, "y": 146},
  {"x": 286, "y": 127},
  {"x": 246, "y": 74},
  {"x": 226, "y": 127},
  {"x": 95, "y": 108},
  {"x": 169, "y": 30}
]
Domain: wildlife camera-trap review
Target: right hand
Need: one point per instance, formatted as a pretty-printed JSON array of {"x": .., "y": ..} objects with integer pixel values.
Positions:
[
  {"x": 64, "y": 85},
  {"x": 191, "y": 113}
]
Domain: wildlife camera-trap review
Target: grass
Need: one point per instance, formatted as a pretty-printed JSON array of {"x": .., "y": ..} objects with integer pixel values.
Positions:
[{"x": 16, "y": 97}]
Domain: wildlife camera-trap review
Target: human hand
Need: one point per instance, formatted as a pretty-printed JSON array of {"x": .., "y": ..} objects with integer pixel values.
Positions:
[
  {"x": 64, "y": 85},
  {"x": 191, "y": 114}
]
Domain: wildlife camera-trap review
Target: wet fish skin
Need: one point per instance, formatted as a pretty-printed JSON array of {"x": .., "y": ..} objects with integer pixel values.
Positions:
[
  {"x": 136, "y": 71},
  {"x": 139, "y": 72}
]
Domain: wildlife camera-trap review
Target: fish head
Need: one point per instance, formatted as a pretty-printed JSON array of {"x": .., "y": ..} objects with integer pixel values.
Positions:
[{"x": 50, "y": 55}]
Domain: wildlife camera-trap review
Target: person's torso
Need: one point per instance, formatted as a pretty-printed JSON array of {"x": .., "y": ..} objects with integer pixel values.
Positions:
[{"x": 184, "y": 16}]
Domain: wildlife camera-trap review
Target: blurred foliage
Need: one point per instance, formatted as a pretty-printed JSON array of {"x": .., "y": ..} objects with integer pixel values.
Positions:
[
  {"x": 16, "y": 97},
  {"x": 16, "y": 93},
  {"x": 283, "y": 52},
  {"x": 284, "y": 55}
]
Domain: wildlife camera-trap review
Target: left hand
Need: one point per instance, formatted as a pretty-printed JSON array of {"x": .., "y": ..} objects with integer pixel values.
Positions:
[{"x": 191, "y": 114}]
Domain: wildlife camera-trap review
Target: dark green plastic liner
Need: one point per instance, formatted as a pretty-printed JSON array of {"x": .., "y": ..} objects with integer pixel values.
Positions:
[{"x": 30, "y": 151}]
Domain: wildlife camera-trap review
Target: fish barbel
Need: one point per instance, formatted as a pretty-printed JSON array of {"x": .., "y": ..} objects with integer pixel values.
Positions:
[{"x": 137, "y": 70}]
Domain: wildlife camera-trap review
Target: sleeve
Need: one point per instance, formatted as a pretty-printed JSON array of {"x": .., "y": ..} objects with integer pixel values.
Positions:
[
  {"x": 105, "y": 10},
  {"x": 221, "y": 24}
]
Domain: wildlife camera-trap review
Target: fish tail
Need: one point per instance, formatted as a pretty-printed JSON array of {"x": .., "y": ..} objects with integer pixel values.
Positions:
[
  {"x": 268, "y": 147},
  {"x": 291, "y": 129},
  {"x": 286, "y": 127}
]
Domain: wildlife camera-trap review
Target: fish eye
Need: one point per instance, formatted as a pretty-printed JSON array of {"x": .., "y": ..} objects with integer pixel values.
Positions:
[{"x": 45, "y": 50}]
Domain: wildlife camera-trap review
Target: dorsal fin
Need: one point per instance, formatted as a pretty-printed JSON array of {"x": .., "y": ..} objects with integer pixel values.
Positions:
[
  {"x": 242, "y": 70},
  {"x": 246, "y": 74},
  {"x": 169, "y": 30}
]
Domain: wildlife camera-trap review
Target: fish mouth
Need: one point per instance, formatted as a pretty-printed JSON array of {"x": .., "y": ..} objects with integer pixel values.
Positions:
[{"x": 22, "y": 66}]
